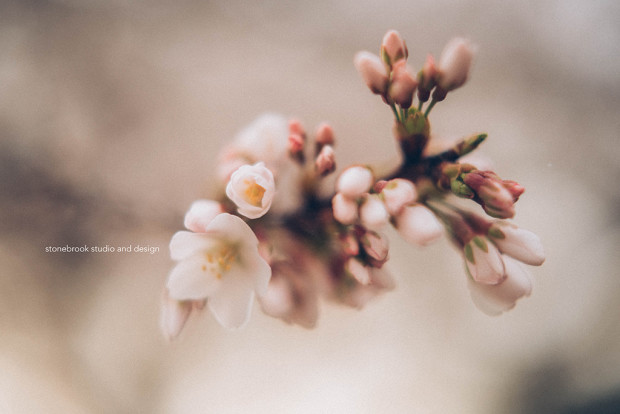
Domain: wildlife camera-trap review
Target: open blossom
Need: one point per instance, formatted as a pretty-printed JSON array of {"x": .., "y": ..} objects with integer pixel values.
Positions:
[
  {"x": 484, "y": 262},
  {"x": 221, "y": 265},
  {"x": 495, "y": 299},
  {"x": 454, "y": 63},
  {"x": 252, "y": 188},
  {"x": 418, "y": 225}
]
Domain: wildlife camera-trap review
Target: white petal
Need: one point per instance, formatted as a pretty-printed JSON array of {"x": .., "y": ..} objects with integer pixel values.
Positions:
[
  {"x": 487, "y": 266},
  {"x": 495, "y": 299},
  {"x": 191, "y": 279},
  {"x": 185, "y": 244},
  {"x": 256, "y": 175},
  {"x": 521, "y": 244},
  {"x": 231, "y": 228},
  {"x": 200, "y": 214},
  {"x": 418, "y": 225},
  {"x": 173, "y": 316},
  {"x": 232, "y": 303}
]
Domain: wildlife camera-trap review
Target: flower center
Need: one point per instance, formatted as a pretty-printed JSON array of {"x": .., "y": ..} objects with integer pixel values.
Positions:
[
  {"x": 220, "y": 259},
  {"x": 253, "y": 193}
]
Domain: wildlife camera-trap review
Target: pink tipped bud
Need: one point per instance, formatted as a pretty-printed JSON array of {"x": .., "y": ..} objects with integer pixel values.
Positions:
[
  {"x": 454, "y": 64},
  {"x": 345, "y": 209},
  {"x": 326, "y": 161},
  {"x": 354, "y": 182},
  {"x": 357, "y": 269},
  {"x": 497, "y": 197},
  {"x": 426, "y": 78},
  {"x": 295, "y": 144},
  {"x": 351, "y": 246},
  {"x": 376, "y": 245},
  {"x": 393, "y": 48},
  {"x": 373, "y": 71},
  {"x": 484, "y": 262},
  {"x": 518, "y": 243},
  {"x": 295, "y": 127},
  {"x": 373, "y": 213},
  {"x": 418, "y": 225},
  {"x": 403, "y": 84},
  {"x": 325, "y": 134},
  {"x": 397, "y": 194}
]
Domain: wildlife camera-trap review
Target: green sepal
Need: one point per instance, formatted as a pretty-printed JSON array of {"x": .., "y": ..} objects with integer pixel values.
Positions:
[
  {"x": 496, "y": 233},
  {"x": 469, "y": 253},
  {"x": 481, "y": 243}
]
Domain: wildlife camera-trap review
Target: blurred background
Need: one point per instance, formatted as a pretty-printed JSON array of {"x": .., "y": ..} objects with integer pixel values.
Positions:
[{"x": 111, "y": 116}]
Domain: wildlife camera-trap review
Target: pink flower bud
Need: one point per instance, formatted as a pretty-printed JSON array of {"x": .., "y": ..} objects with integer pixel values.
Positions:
[
  {"x": 295, "y": 144},
  {"x": 373, "y": 213},
  {"x": 326, "y": 160},
  {"x": 454, "y": 64},
  {"x": 484, "y": 262},
  {"x": 356, "y": 269},
  {"x": 518, "y": 243},
  {"x": 426, "y": 78},
  {"x": 495, "y": 299},
  {"x": 497, "y": 197},
  {"x": 351, "y": 246},
  {"x": 376, "y": 245},
  {"x": 345, "y": 209},
  {"x": 200, "y": 214},
  {"x": 393, "y": 47},
  {"x": 403, "y": 84},
  {"x": 373, "y": 71},
  {"x": 418, "y": 225},
  {"x": 354, "y": 182},
  {"x": 295, "y": 127},
  {"x": 325, "y": 134},
  {"x": 398, "y": 193}
]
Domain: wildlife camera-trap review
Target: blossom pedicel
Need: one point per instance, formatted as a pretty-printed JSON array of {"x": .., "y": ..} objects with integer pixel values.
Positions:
[{"x": 273, "y": 235}]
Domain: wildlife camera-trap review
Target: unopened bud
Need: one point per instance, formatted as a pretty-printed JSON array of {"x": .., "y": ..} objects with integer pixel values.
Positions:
[
  {"x": 403, "y": 84},
  {"x": 454, "y": 64},
  {"x": 324, "y": 135},
  {"x": 494, "y": 195},
  {"x": 393, "y": 48},
  {"x": 418, "y": 225},
  {"x": 354, "y": 181},
  {"x": 357, "y": 269},
  {"x": 426, "y": 79},
  {"x": 397, "y": 194},
  {"x": 518, "y": 243},
  {"x": 295, "y": 144},
  {"x": 484, "y": 262},
  {"x": 344, "y": 209},
  {"x": 373, "y": 213},
  {"x": 326, "y": 161},
  {"x": 373, "y": 71},
  {"x": 295, "y": 127}
]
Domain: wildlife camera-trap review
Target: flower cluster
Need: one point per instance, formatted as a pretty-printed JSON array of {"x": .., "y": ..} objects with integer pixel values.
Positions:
[{"x": 273, "y": 235}]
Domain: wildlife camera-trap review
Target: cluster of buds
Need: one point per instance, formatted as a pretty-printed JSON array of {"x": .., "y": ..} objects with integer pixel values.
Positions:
[{"x": 273, "y": 236}]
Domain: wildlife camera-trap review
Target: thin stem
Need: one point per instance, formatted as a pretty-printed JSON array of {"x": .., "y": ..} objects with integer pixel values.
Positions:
[
  {"x": 420, "y": 105},
  {"x": 395, "y": 112},
  {"x": 403, "y": 114},
  {"x": 430, "y": 106}
]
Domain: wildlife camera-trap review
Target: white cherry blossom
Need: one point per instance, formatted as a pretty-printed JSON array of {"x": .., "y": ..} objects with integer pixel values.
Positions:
[
  {"x": 221, "y": 265},
  {"x": 252, "y": 188}
]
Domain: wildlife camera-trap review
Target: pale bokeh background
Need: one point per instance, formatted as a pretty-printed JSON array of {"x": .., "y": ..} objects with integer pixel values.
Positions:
[{"x": 111, "y": 116}]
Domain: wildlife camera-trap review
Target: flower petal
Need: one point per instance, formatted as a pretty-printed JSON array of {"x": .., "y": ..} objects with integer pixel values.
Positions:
[
  {"x": 520, "y": 244},
  {"x": 185, "y": 244},
  {"x": 418, "y": 225},
  {"x": 200, "y": 214},
  {"x": 484, "y": 262},
  {"x": 173, "y": 316},
  {"x": 191, "y": 279},
  {"x": 232, "y": 303}
]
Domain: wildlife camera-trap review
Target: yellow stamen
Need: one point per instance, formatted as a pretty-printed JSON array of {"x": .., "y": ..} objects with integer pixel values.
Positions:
[{"x": 254, "y": 193}]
